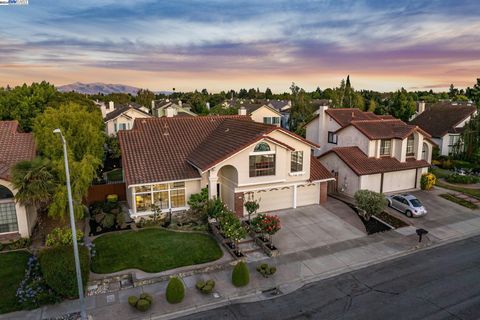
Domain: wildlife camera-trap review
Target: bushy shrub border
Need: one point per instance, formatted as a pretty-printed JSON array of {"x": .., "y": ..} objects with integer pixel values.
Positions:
[{"x": 58, "y": 267}]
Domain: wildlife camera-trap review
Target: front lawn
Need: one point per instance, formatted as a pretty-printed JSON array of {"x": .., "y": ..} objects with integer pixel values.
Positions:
[
  {"x": 469, "y": 191},
  {"x": 12, "y": 271},
  {"x": 152, "y": 250}
]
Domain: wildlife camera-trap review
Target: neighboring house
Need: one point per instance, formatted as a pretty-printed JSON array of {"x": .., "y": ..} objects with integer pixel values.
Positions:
[
  {"x": 166, "y": 160},
  {"x": 366, "y": 151},
  {"x": 444, "y": 121},
  {"x": 261, "y": 113},
  {"x": 122, "y": 118},
  {"x": 16, "y": 220},
  {"x": 168, "y": 108}
]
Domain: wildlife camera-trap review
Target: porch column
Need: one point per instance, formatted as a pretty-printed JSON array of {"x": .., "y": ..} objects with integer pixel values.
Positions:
[
  {"x": 212, "y": 183},
  {"x": 294, "y": 196}
]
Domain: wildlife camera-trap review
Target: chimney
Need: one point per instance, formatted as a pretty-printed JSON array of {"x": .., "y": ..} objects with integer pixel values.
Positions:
[
  {"x": 242, "y": 111},
  {"x": 153, "y": 105},
  {"x": 421, "y": 107},
  {"x": 180, "y": 103},
  {"x": 207, "y": 105},
  {"x": 169, "y": 112},
  {"x": 111, "y": 105}
]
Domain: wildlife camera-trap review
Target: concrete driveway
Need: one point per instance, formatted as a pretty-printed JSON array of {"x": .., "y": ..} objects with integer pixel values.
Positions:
[
  {"x": 316, "y": 226},
  {"x": 444, "y": 219}
]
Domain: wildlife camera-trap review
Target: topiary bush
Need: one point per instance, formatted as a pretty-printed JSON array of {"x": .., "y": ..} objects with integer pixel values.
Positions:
[
  {"x": 205, "y": 286},
  {"x": 427, "y": 181},
  {"x": 265, "y": 270},
  {"x": 141, "y": 304},
  {"x": 370, "y": 202},
  {"x": 175, "y": 290},
  {"x": 58, "y": 268},
  {"x": 240, "y": 275}
]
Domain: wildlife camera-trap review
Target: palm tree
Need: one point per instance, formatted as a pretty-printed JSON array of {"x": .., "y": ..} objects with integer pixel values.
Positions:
[{"x": 34, "y": 181}]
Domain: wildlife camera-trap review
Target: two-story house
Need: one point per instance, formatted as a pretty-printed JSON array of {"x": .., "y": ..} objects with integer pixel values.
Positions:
[
  {"x": 262, "y": 113},
  {"x": 169, "y": 108},
  {"x": 444, "y": 121},
  {"x": 122, "y": 117},
  {"x": 367, "y": 151},
  {"x": 16, "y": 220},
  {"x": 165, "y": 160}
]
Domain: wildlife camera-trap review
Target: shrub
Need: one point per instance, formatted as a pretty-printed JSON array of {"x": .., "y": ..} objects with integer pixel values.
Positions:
[
  {"x": 62, "y": 237},
  {"x": 205, "y": 287},
  {"x": 199, "y": 200},
  {"x": 240, "y": 275},
  {"x": 370, "y": 201},
  {"x": 266, "y": 224},
  {"x": 266, "y": 270},
  {"x": 143, "y": 305},
  {"x": 18, "y": 244},
  {"x": 132, "y": 300},
  {"x": 455, "y": 178},
  {"x": 108, "y": 221},
  {"x": 112, "y": 198},
  {"x": 427, "y": 181},
  {"x": 175, "y": 290},
  {"x": 58, "y": 267}
]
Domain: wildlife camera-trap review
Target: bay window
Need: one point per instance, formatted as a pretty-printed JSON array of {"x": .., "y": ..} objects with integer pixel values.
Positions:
[{"x": 164, "y": 195}]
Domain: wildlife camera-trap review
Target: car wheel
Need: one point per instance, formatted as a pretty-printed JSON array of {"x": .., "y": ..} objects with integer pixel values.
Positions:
[
  {"x": 389, "y": 204},
  {"x": 408, "y": 213}
]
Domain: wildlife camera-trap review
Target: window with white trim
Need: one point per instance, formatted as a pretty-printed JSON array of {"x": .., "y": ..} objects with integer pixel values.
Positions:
[
  {"x": 262, "y": 163},
  {"x": 271, "y": 120},
  {"x": 410, "y": 145},
  {"x": 296, "y": 163},
  {"x": 164, "y": 195},
  {"x": 385, "y": 147}
]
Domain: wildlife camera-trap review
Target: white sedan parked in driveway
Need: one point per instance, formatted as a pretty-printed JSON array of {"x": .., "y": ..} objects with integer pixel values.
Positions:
[{"x": 407, "y": 204}]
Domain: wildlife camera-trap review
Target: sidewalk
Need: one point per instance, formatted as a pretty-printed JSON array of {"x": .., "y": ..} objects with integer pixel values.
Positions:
[{"x": 294, "y": 270}]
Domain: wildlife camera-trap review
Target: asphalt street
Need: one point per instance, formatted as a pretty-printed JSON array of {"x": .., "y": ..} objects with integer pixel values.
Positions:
[{"x": 440, "y": 283}]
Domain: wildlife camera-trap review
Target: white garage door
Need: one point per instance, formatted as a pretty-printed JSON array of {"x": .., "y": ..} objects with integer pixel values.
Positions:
[
  {"x": 275, "y": 199},
  {"x": 308, "y": 194},
  {"x": 400, "y": 180}
]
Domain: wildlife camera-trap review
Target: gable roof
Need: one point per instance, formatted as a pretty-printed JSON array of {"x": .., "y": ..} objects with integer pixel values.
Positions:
[
  {"x": 15, "y": 146},
  {"x": 122, "y": 109},
  {"x": 442, "y": 118},
  {"x": 318, "y": 172},
  {"x": 170, "y": 149},
  {"x": 252, "y": 107},
  {"x": 345, "y": 115},
  {"x": 361, "y": 164},
  {"x": 384, "y": 129}
]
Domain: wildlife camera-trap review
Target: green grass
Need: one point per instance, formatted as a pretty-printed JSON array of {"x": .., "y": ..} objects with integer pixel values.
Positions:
[
  {"x": 459, "y": 201},
  {"x": 12, "y": 271},
  {"x": 471, "y": 192},
  {"x": 115, "y": 175},
  {"x": 153, "y": 250},
  {"x": 440, "y": 173}
]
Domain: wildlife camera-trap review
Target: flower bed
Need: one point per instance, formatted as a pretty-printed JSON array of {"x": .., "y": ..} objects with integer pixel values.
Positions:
[{"x": 227, "y": 243}]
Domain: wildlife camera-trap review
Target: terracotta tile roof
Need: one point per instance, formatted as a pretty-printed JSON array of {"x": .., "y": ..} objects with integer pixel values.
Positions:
[
  {"x": 15, "y": 146},
  {"x": 169, "y": 149},
  {"x": 122, "y": 109},
  {"x": 440, "y": 119},
  {"x": 361, "y": 164},
  {"x": 318, "y": 171},
  {"x": 345, "y": 115},
  {"x": 383, "y": 129}
]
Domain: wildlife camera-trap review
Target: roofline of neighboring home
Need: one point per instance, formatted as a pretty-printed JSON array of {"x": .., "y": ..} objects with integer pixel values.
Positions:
[
  {"x": 296, "y": 136},
  {"x": 242, "y": 148},
  {"x": 127, "y": 109},
  {"x": 370, "y": 173},
  {"x": 353, "y": 123},
  {"x": 456, "y": 124},
  {"x": 268, "y": 107},
  {"x": 158, "y": 182}
]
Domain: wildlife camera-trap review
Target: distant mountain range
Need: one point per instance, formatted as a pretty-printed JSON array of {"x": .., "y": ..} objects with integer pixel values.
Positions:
[{"x": 98, "y": 87}]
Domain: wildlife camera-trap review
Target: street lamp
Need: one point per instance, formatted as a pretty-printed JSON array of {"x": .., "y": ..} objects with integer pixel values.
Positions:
[{"x": 83, "y": 313}]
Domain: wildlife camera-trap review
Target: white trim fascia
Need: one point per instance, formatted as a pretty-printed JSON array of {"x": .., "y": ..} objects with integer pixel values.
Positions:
[
  {"x": 161, "y": 182},
  {"x": 10, "y": 232},
  {"x": 279, "y": 186},
  {"x": 258, "y": 183},
  {"x": 324, "y": 180}
]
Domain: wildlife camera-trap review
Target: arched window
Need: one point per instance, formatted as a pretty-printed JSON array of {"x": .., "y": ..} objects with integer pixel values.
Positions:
[
  {"x": 261, "y": 147},
  {"x": 5, "y": 193}
]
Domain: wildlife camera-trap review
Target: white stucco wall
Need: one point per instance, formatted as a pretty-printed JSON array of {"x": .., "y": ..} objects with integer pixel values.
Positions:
[
  {"x": 348, "y": 181},
  {"x": 263, "y": 111},
  {"x": 126, "y": 118},
  {"x": 371, "y": 182},
  {"x": 351, "y": 136},
  {"x": 399, "y": 180},
  {"x": 317, "y": 131}
]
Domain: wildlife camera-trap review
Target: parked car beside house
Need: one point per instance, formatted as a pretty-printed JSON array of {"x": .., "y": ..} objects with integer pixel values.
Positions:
[{"x": 407, "y": 204}]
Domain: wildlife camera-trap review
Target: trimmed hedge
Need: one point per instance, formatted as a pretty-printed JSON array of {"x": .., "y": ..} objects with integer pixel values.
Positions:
[
  {"x": 58, "y": 268},
  {"x": 240, "y": 275},
  {"x": 456, "y": 178},
  {"x": 175, "y": 290}
]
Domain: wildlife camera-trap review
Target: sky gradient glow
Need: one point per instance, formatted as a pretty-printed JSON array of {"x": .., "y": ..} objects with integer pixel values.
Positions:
[{"x": 221, "y": 45}]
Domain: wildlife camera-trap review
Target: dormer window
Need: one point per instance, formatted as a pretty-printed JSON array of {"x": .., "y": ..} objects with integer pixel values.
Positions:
[
  {"x": 385, "y": 147},
  {"x": 262, "y": 161},
  {"x": 410, "y": 145}
]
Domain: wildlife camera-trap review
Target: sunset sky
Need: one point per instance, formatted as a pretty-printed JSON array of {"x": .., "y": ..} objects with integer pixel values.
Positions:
[{"x": 221, "y": 45}]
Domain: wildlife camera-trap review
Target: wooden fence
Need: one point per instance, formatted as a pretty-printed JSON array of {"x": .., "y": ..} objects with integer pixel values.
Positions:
[{"x": 99, "y": 192}]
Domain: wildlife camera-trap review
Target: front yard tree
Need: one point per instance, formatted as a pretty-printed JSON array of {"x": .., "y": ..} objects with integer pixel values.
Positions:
[
  {"x": 84, "y": 132},
  {"x": 266, "y": 225},
  {"x": 251, "y": 205},
  {"x": 232, "y": 228},
  {"x": 370, "y": 202}
]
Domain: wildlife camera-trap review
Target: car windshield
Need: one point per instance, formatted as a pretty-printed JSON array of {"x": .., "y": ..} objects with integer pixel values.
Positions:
[{"x": 415, "y": 203}]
